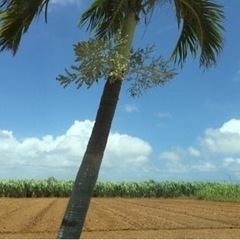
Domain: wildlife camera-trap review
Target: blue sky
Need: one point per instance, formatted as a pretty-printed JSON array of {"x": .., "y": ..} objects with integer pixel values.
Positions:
[{"x": 187, "y": 130}]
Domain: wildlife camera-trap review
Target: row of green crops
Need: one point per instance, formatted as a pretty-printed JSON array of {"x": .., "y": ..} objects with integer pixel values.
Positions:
[
  {"x": 35, "y": 188},
  {"x": 150, "y": 189}
]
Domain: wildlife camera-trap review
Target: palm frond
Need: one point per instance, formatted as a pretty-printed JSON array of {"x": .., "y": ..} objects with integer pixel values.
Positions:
[
  {"x": 202, "y": 27},
  {"x": 15, "y": 19},
  {"x": 105, "y": 17},
  {"x": 149, "y": 5}
]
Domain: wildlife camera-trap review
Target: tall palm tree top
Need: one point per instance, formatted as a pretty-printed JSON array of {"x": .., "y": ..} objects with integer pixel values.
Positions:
[
  {"x": 106, "y": 23},
  {"x": 15, "y": 19},
  {"x": 200, "y": 23}
]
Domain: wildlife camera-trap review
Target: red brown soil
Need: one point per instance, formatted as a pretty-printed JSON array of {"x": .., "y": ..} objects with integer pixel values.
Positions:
[{"x": 122, "y": 218}]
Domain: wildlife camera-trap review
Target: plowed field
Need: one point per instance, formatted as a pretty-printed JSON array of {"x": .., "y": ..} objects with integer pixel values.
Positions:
[{"x": 122, "y": 218}]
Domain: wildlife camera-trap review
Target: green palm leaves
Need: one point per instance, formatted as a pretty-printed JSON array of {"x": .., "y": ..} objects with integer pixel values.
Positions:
[
  {"x": 15, "y": 19},
  {"x": 200, "y": 23},
  {"x": 105, "y": 17},
  {"x": 201, "y": 27}
]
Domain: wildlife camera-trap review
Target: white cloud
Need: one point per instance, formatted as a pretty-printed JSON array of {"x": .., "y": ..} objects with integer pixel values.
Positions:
[
  {"x": 232, "y": 163},
  {"x": 173, "y": 160},
  {"x": 62, "y": 155},
  {"x": 203, "y": 166},
  {"x": 164, "y": 115},
  {"x": 170, "y": 156},
  {"x": 217, "y": 150},
  {"x": 64, "y": 2},
  {"x": 126, "y": 158},
  {"x": 129, "y": 108},
  {"x": 184, "y": 161},
  {"x": 232, "y": 126},
  {"x": 225, "y": 139},
  {"x": 127, "y": 147},
  {"x": 54, "y": 4},
  {"x": 194, "y": 152}
]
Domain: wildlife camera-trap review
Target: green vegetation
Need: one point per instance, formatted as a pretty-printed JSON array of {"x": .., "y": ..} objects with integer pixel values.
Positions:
[
  {"x": 35, "y": 188},
  {"x": 150, "y": 189},
  {"x": 226, "y": 192}
]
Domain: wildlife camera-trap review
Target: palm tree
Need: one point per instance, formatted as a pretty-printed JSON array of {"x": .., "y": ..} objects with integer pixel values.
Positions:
[{"x": 200, "y": 24}]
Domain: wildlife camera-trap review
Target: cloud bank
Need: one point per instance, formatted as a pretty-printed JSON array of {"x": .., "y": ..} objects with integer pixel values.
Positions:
[
  {"x": 214, "y": 157},
  {"x": 216, "y": 152},
  {"x": 61, "y": 156}
]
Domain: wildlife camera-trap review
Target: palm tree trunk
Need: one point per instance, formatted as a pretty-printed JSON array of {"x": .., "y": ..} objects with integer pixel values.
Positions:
[
  {"x": 86, "y": 178},
  {"x": 73, "y": 221}
]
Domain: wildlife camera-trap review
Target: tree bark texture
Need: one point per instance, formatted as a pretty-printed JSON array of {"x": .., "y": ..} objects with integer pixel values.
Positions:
[{"x": 87, "y": 175}]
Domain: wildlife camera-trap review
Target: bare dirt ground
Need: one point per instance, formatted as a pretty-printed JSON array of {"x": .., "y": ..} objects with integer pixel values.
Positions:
[{"x": 122, "y": 218}]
